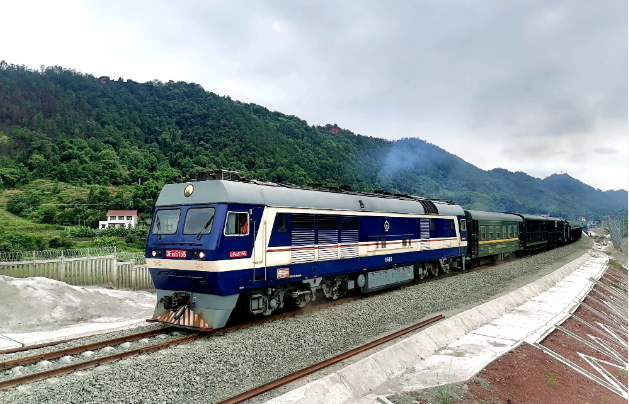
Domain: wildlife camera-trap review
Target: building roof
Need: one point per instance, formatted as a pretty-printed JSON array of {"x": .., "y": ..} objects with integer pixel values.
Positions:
[
  {"x": 219, "y": 191},
  {"x": 122, "y": 213}
]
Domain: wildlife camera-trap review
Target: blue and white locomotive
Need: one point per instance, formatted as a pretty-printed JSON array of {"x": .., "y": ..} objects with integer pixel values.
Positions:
[{"x": 222, "y": 242}]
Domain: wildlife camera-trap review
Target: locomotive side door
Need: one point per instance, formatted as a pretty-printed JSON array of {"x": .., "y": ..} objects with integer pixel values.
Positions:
[{"x": 259, "y": 248}]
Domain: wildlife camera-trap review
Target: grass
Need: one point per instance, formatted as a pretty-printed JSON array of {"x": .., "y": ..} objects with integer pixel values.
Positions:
[
  {"x": 483, "y": 383},
  {"x": 444, "y": 394},
  {"x": 51, "y": 193},
  {"x": 11, "y": 223},
  {"x": 551, "y": 380},
  {"x": 615, "y": 264}
]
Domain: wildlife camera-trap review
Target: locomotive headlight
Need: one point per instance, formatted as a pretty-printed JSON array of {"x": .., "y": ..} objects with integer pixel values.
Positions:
[
  {"x": 188, "y": 190},
  {"x": 154, "y": 253},
  {"x": 201, "y": 255}
]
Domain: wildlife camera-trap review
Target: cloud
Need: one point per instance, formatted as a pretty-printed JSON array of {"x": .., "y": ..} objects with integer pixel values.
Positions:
[
  {"x": 605, "y": 150},
  {"x": 540, "y": 78}
]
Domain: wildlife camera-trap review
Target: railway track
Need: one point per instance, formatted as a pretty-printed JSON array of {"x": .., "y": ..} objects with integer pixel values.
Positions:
[
  {"x": 318, "y": 366},
  {"x": 15, "y": 381},
  {"x": 29, "y": 360}
]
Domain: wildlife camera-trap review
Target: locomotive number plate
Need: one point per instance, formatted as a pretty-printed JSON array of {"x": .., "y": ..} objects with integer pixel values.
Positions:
[
  {"x": 233, "y": 254},
  {"x": 176, "y": 253}
]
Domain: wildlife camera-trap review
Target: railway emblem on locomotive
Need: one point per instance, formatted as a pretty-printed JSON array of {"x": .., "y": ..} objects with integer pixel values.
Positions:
[{"x": 386, "y": 225}]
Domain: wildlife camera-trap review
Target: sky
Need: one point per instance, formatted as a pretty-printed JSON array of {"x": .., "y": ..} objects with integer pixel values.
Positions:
[{"x": 534, "y": 86}]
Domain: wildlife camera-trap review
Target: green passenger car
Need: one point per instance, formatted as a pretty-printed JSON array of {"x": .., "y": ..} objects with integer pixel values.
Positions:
[
  {"x": 492, "y": 236},
  {"x": 558, "y": 230},
  {"x": 535, "y": 231}
]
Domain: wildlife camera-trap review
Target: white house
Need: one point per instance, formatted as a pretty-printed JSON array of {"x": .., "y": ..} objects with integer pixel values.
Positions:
[{"x": 120, "y": 218}]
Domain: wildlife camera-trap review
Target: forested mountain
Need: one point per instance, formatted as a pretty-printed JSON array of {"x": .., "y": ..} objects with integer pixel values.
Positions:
[{"x": 66, "y": 126}]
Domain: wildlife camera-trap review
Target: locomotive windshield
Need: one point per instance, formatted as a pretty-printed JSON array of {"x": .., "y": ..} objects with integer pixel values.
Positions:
[
  {"x": 166, "y": 221},
  {"x": 198, "y": 221}
]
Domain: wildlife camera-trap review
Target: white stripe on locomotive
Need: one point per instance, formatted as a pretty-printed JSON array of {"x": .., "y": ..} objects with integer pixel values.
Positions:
[{"x": 263, "y": 256}]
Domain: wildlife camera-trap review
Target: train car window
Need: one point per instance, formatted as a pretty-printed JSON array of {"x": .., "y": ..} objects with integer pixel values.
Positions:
[
  {"x": 504, "y": 231},
  {"x": 482, "y": 232},
  {"x": 281, "y": 222},
  {"x": 491, "y": 232},
  {"x": 432, "y": 224},
  {"x": 463, "y": 225},
  {"x": 198, "y": 221},
  {"x": 237, "y": 224},
  {"x": 166, "y": 221}
]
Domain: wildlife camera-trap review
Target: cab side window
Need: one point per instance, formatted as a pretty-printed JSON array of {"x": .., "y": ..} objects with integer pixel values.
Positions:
[
  {"x": 237, "y": 224},
  {"x": 281, "y": 222}
]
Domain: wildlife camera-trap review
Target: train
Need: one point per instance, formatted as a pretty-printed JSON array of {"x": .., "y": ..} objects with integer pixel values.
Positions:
[{"x": 222, "y": 244}]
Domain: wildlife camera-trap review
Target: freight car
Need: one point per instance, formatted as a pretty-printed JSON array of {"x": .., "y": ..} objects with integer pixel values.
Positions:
[{"x": 224, "y": 243}]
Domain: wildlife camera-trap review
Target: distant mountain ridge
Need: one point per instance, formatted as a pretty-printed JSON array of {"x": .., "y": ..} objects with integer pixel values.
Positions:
[{"x": 62, "y": 125}]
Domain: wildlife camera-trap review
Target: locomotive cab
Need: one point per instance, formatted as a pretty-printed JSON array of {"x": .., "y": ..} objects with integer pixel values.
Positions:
[{"x": 183, "y": 250}]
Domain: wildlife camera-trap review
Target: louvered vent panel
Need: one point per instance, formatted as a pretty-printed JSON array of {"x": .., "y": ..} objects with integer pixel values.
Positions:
[
  {"x": 349, "y": 236},
  {"x": 424, "y": 229},
  {"x": 328, "y": 237},
  {"x": 302, "y": 237}
]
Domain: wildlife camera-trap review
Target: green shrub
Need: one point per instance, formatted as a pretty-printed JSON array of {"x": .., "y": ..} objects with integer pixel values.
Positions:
[
  {"x": 115, "y": 232},
  {"x": 18, "y": 204},
  {"x": 79, "y": 231},
  {"x": 22, "y": 242},
  {"x": 60, "y": 243},
  {"x": 105, "y": 241}
]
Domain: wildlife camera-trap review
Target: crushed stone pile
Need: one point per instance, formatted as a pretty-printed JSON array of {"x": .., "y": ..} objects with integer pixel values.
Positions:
[{"x": 42, "y": 304}]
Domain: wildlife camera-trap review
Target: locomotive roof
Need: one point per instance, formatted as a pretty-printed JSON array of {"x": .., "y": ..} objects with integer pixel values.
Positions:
[
  {"x": 268, "y": 194},
  {"x": 479, "y": 214}
]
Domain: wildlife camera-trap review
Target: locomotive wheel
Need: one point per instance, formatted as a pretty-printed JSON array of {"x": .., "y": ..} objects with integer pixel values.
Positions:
[{"x": 434, "y": 270}]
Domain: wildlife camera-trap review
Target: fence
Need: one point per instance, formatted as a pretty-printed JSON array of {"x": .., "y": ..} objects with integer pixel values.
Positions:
[
  {"x": 79, "y": 267},
  {"x": 618, "y": 230}
]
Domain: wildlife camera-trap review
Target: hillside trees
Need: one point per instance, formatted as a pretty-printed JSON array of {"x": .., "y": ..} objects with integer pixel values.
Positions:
[{"x": 61, "y": 125}]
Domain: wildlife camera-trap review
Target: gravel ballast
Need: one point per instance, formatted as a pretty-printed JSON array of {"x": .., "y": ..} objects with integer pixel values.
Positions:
[{"x": 212, "y": 369}]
